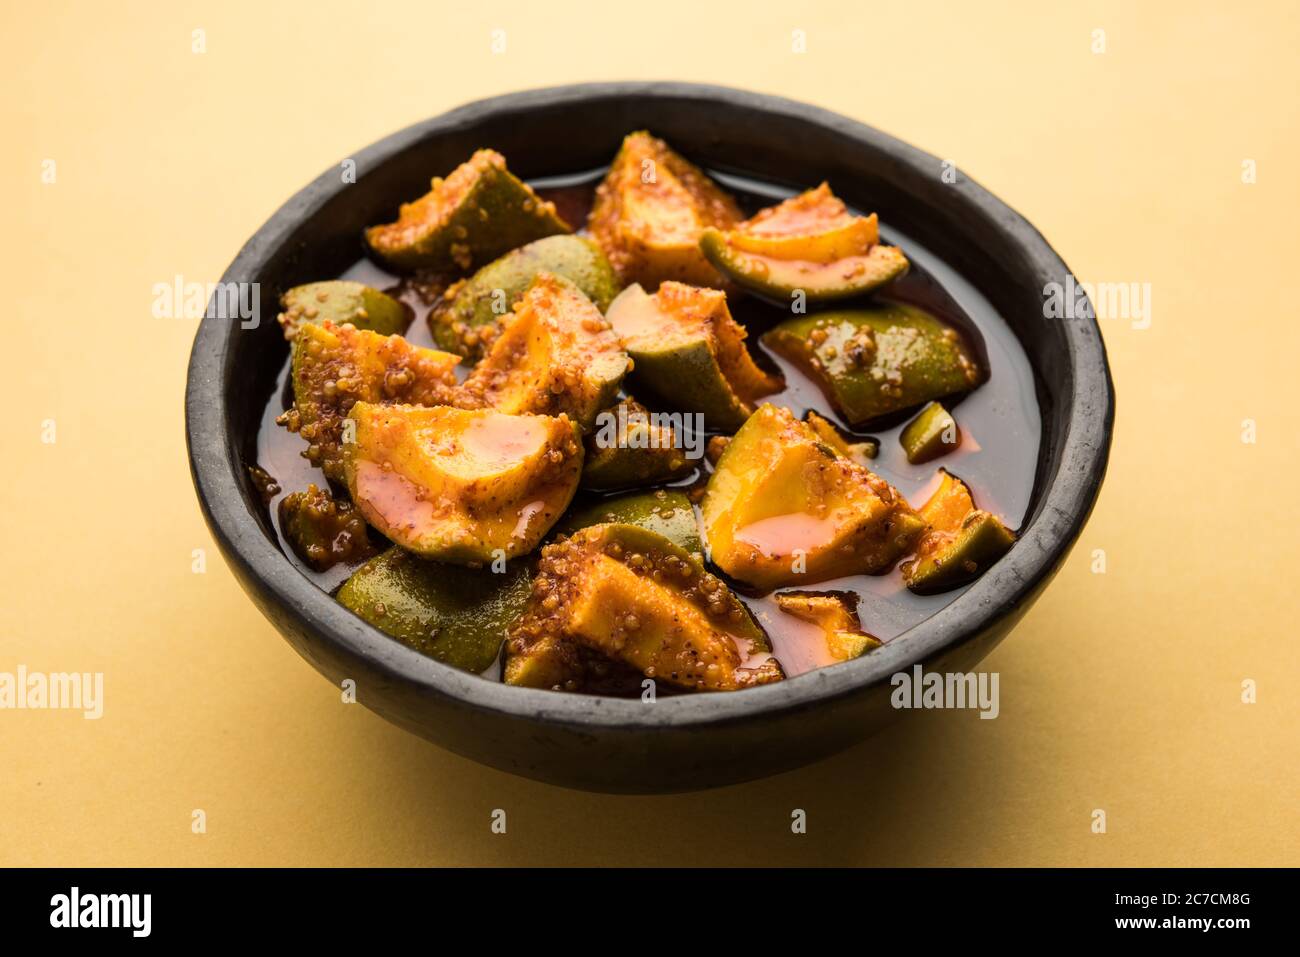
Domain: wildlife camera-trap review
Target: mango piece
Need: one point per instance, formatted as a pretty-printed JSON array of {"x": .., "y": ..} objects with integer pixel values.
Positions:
[
  {"x": 861, "y": 452},
  {"x": 649, "y": 213},
  {"x": 630, "y": 447},
  {"x": 960, "y": 540},
  {"x": 809, "y": 243},
  {"x": 557, "y": 356},
  {"x": 461, "y": 486},
  {"x": 633, "y": 596},
  {"x": 323, "y": 530},
  {"x": 717, "y": 445},
  {"x": 472, "y": 310},
  {"x": 459, "y": 616},
  {"x": 872, "y": 362},
  {"x": 664, "y": 511},
  {"x": 783, "y": 279},
  {"x": 932, "y": 433},
  {"x": 340, "y": 301},
  {"x": 783, "y": 507},
  {"x": 690, "y": 353},
  {"x": 473, "y": 216},
  {"x": 841, "y": 631},
  {"x": 334, "y": 367}
]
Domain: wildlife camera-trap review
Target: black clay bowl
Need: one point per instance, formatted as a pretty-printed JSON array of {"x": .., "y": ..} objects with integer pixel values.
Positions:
[{"x": 689, "y": 741}]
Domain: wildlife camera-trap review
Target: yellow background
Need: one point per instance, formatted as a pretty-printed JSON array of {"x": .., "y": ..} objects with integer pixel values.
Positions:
[{"x": 1120, "y": 691}]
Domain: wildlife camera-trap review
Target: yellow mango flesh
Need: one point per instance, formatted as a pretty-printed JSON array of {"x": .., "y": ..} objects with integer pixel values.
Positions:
[
  {"x": 841, "y": 633},
  {"x": 650, "y": 210},
  {"x": 627, "y": 595},
  {"x": 783, "y": 507},
  {"x": 336, "y": 366},
  {"x": 556, "y": 356},
  {"x": 461, "y": 486},
  {"x": 814, "y": 226}
]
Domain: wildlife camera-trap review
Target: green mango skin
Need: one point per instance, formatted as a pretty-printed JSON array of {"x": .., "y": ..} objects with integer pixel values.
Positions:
[
  {"x": 683, "y": 376},
  {"x": 343, "y": 301},
  {"x": 917, "y": 358},
  {"x": 644, "y": 510},
  {"x": 923, "y": 438},
  {"x": 981, "y": 544},
  {"x": 688, "y": 378},
  {"x": 497, "y": 214},
  {"x": 773, "y": 279},
  {"x": 616, "y": 468},
  {"x": 619, "y": 466},
  {"x": 455, "y": 615},
  {"x": 477, "y": 305}
]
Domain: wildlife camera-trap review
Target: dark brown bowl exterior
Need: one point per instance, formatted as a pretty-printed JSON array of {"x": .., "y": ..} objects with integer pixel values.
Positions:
[{"x": 683, "y": 742}]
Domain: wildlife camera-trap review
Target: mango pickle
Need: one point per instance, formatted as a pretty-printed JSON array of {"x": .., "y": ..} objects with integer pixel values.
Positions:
[
  {"x": 456, "y": 615},
  {"x": 334, "y": 367},
  {"x": 783, "y": 507},
  {"x": 809, "y": 244},
  {"x": 690, "y": 353},
  {"x": 633, "y": 596},
  {"x": 556, "y": 356},
  {"x": 322, "y": 530},
  {"x": 479, "y": 212},
  {"x": 459, "y": 486},
  {"x": 650, "y": 211},
  {"x": 339, "y": 301},
  {"x": 628, "y": 449},
  {"x": 873, "y": 362},
  {"x": 667, "y": 512},
  {"x": 472, "y": 310},
  {"x": 861, "y": 452},
  {"x": 960, "y": 541},
  {"x": 934, "y": 432},
  {"x": 543, "y": 526},
  {"x": 841, "y": 630}
]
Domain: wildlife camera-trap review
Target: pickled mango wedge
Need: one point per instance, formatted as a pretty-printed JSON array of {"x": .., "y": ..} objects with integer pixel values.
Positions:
[
  {"x": 841, "y": 636},
  {"x": 809, "y": 243},
  {"x": 782, "y": 507},
  {"x": 630, "y": 447},
  {"x": 476, "y": 214},
  {"x": 861, "y": 452},
  {"x": 471, "y": 312},
  {"x": 459, "y": 616},
  {"x": 461, "y": 486},
  {"x": 557, "y": 355},
  {"x": 334, "y": 367},
  {"x": 650, "y": 211},
  {"x": 873, "y": 362},
  {"x": 631, "y": 595},
  {"x": 934, "y": 432},
  {"x": 690, "y": 353},
  {"x": 960, "y": 540},
  {"x": 665, "y": 511},
  {"x": 323, "y": 530},
  {"x": 340, "y": 301}
]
